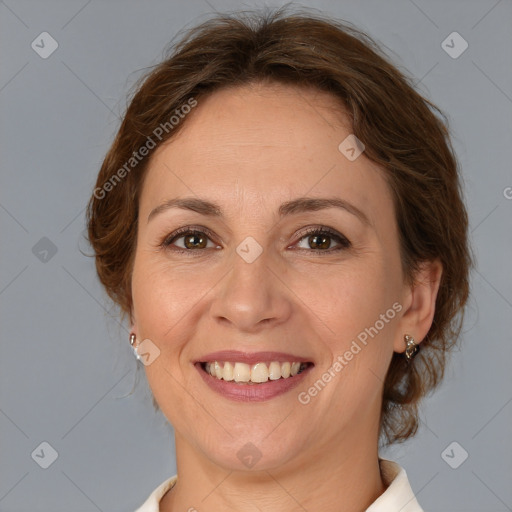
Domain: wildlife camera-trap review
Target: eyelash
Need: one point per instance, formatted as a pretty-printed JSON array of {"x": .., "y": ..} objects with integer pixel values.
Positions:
[{"x": 344, "y": 243}]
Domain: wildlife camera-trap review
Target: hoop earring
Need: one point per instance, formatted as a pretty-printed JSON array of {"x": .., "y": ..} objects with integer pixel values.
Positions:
[{"x": 411, "y": 348}]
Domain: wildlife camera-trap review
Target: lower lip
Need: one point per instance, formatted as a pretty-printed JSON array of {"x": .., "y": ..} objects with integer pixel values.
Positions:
[{"x": 241, "y": 392}]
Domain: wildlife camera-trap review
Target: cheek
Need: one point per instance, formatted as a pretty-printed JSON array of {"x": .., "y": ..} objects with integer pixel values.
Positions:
[
  {"x": 153, "y": 295},
  {"x": 349, "y": 298},
  {"x": 166, "y": 298},
  {"x": 361, "y": 316},
  {"x": 358, "y": 310}
]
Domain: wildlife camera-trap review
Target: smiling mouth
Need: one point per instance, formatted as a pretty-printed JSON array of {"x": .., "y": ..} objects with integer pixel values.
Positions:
[{"x": 259, "y": 373}]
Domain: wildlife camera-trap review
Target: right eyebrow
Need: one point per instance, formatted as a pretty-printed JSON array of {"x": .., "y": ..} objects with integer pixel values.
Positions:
[{"x": 188, "y": 203}]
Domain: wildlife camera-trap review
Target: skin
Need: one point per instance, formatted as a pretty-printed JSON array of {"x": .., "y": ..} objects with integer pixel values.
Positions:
[{"x": 249, "y": 149}]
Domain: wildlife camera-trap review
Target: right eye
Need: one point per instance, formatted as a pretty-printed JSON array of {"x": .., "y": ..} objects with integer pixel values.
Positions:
[{"x": 192, "y": 239}]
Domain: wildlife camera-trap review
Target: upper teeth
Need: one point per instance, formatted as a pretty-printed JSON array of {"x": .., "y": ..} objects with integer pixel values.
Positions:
[{"x": 259, "y": 372}]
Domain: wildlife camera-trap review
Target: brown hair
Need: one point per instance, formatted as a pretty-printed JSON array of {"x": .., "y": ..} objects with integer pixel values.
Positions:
[{"x": 399, "y": 128}]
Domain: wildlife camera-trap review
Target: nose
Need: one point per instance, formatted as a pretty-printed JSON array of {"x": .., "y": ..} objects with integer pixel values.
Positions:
[{"x": 252, "y": 296}]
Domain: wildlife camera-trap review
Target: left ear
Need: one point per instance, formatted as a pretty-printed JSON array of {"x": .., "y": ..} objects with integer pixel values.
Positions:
[{"x": 420, "y": 303}]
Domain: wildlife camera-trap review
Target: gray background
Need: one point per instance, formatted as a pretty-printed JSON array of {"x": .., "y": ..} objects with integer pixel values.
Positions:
[{"x": 65, "y": 362}]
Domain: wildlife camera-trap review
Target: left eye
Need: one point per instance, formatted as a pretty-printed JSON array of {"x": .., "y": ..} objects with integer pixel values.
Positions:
[{"x": 321, "y": 239}]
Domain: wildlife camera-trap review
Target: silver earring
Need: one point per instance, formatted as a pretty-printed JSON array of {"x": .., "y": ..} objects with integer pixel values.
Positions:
[
  {"x": 411, "y": 348},
  {"x": 133, "y": 339}
]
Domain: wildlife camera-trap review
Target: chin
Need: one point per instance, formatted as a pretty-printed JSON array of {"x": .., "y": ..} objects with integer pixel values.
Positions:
[{"x": 253, "y": 453}]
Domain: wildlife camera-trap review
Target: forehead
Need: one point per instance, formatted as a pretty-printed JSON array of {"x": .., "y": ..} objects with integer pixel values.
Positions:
[
  {"x": 256, "y": 145},
  {"x": 263, "y": 119}
]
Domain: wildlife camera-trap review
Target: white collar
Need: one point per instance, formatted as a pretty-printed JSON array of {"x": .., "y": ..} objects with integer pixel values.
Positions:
[{"x": 398, "y": 497}]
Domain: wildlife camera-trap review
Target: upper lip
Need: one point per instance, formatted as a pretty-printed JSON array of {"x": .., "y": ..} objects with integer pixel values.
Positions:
[{"x": 251, "y": 357}]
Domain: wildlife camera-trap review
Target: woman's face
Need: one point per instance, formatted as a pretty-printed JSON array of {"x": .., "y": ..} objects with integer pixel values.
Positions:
[{"x": 253, "y": 280}]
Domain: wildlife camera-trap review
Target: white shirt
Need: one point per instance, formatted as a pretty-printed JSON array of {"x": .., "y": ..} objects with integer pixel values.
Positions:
[{"x": 397, "y": 497}]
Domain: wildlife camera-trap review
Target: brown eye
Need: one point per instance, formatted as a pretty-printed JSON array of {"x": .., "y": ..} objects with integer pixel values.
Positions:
[
  {"x": 188, "y": 240},
  {"x": 320, "y": 240},
  {"x": 195, "y": 241}
]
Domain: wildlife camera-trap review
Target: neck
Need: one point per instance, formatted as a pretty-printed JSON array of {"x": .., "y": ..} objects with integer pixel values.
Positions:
[{"x": 347, "y": 472}]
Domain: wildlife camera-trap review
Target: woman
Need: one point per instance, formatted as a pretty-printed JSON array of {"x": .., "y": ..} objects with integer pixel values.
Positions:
[{"x": 280, "y": 217}]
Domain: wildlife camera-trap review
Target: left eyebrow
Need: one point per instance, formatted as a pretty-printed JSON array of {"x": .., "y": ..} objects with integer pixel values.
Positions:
[
  {"x": 312, "y": 204},
  {"x": 293, "y": 207}
]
